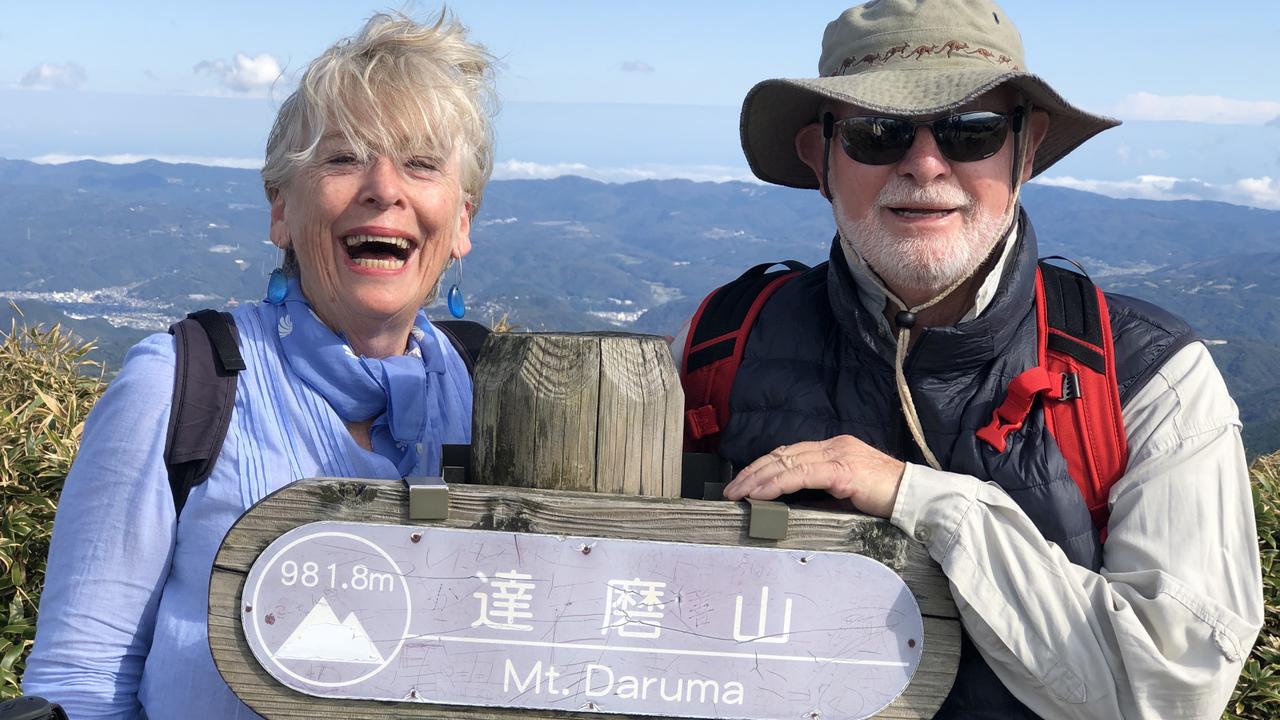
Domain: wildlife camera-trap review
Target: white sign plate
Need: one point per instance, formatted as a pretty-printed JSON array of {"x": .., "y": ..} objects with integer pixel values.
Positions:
[{"x": 501, "y": 619}]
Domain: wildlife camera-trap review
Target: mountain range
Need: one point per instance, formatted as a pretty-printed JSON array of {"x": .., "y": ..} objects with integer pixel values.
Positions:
[{"x": 117, "y": 251}]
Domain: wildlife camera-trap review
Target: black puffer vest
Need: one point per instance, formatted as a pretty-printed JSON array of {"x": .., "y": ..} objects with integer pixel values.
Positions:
[{"x": 816, "y": 366}]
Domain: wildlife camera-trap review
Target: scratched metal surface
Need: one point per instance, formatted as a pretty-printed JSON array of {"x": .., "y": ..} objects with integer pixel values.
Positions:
[{"x": 521, "y": 620}]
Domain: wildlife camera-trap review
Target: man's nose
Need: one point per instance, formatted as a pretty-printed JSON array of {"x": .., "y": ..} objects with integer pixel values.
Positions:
[{"x": 924, "y": 161}]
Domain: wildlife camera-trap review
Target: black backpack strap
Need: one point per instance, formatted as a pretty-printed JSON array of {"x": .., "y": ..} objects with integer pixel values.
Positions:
[
  {"x": 713, "y": 351},
  {"x": 726, "y": 310},
  {"x": 204, "y": 391},
  {"x": 467, "y": 337},
  {"x": 1086, "y": 421},
  {"x": 1074, "y": 315}
]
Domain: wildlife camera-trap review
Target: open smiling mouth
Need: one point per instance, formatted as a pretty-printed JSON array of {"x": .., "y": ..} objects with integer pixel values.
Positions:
[
  {"x": 378, "y": 251},
  {"x": 912, "y": 213}
]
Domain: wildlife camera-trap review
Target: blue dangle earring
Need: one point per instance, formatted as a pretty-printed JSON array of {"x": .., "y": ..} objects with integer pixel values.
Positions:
[
  {"x": 457, "y": 306},
  {"x": 277, "y": 286}
]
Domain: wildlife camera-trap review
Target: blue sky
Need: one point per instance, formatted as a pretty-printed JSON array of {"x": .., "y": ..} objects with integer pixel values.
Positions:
[{"x": 622, "y": 91}]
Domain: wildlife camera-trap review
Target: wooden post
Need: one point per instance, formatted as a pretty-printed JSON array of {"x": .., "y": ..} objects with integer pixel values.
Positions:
[{"x": 593, "y": 412}]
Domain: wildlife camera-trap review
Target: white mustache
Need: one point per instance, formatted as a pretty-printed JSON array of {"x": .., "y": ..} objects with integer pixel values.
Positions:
[{"x": 900, "y": 191}]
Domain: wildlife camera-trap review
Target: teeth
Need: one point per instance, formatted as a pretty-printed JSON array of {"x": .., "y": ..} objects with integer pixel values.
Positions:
[
  {"x": 354, "y": 240},
  {"x": 921, "y": 213},
  {"x": 379, "y": 264}
]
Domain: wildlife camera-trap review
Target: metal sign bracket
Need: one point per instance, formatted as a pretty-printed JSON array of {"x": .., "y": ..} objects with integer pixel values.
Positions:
[
  {"x": 768, "y": 520},
  {"x": 428, "y": 498}
]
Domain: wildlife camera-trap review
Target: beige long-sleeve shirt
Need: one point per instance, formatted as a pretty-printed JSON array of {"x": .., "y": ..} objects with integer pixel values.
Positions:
[{"x": 1162, "y": 630}]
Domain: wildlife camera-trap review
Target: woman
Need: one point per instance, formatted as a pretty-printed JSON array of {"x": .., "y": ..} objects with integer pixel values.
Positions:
[{"x": 374, "y": 169}]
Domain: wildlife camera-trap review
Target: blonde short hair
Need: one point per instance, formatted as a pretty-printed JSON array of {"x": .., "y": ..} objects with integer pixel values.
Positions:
[{"x": 397, "y": 88}]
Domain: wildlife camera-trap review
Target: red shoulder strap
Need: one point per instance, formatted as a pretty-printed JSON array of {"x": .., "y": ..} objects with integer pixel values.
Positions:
[
  {"x": 713, "y": 350},
  {"x": 1076, "y": 384}
]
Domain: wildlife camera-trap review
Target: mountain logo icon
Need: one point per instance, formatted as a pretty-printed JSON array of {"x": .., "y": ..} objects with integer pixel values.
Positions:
[{"x": 321, "y": 637}]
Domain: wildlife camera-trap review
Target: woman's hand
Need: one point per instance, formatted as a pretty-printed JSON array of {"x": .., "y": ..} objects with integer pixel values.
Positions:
[{"x": 844, "y": 466}]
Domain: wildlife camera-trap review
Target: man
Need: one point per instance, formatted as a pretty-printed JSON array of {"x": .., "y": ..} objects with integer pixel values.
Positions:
[{"x": 868, "y": 377}]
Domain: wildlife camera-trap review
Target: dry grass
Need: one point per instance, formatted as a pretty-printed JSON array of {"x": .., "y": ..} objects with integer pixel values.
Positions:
[
  {"x": 504, "y": 324},
  {"x": 46, "y": 389}
]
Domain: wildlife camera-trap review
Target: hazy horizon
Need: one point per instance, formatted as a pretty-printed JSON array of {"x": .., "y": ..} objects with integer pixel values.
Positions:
[{"x": 618, "y": 93}]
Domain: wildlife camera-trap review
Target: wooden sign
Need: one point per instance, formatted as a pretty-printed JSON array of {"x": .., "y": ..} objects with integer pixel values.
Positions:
[
  {"x": 521, "y": 620},
  {"x": 517, "y": 515}
]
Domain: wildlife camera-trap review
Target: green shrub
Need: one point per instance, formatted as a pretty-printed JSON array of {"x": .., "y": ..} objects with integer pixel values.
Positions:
[
  {"x": 47, "y": 386},
  {"x": 1257, "y": 695}
]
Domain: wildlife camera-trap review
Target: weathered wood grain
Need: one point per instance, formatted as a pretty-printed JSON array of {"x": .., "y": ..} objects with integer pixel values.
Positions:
[
  {"x": 640, "y": 421},
  {"x": 559, "y": 513},
  {"x": 536, "y": 404},
  {"x": 583, "y": 411}
]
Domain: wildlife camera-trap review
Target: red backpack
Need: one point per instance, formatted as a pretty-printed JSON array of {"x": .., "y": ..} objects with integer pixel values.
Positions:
[{"x": 1075, "y": 379}]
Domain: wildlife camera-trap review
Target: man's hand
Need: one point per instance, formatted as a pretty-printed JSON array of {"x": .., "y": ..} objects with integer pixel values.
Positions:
[{"x": 844, "y": 466}]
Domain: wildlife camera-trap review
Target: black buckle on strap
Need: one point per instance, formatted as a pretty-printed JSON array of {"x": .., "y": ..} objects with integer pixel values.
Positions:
[{"x": 1070, "y": 386}]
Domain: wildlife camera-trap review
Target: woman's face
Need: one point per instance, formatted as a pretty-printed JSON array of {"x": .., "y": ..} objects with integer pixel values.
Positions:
[{"x": 371, "y": 237}]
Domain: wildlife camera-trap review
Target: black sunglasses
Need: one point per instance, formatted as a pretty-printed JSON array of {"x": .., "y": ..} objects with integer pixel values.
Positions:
[{"x": 965, "y": 137}]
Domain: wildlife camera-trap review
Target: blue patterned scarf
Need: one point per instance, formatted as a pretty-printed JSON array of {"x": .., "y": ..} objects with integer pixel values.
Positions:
[{"x": 392, "y": 391}]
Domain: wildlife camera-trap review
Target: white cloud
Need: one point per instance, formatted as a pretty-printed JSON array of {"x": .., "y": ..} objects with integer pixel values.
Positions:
[
  {"x": 635, "y": 66},
  {"x": 50, "y": 76},
  {"x": 1262, "y": 192},
  {"x": 128, "y": 159},
  {"x": 522, "y": 170},
  {"x": 1264, "y": 189},
  {"x": 1197, "y": 109},
  {"x": 244, "y": 75}
]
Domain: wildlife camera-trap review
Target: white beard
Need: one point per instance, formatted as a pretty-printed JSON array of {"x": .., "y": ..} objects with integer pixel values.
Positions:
[{"x": 925, "y": 265}]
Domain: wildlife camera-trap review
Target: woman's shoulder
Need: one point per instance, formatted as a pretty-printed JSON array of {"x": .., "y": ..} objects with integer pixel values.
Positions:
[
  {"x": 158, "y": 353},
  {"x": 254, "y": 321},
  {"x": 143, "y": 389},
  {"x": 153, "y": 355},
  {"x": 149, "y": 366}
]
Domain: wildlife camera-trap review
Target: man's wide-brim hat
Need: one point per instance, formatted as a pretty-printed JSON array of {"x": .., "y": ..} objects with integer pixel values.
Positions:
[{"x": 905, "y": 58}]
